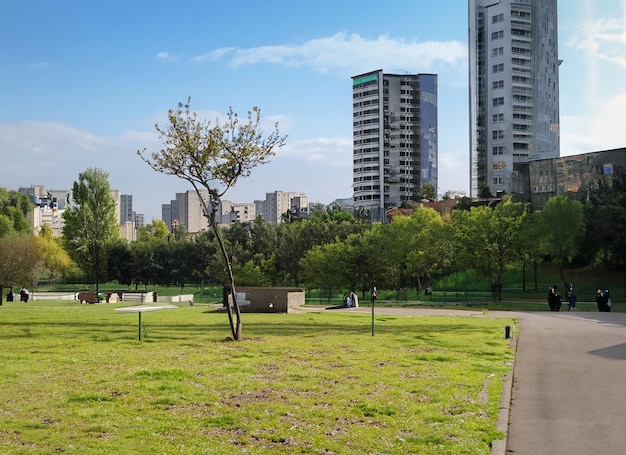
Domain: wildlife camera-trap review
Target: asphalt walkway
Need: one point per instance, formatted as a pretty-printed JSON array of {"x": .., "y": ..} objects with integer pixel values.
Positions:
[
  {"x": 569, "y": 384},
  {"x": 567, "y": 393}
]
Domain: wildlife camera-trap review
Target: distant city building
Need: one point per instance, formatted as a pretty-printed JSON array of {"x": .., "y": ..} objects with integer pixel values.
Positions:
[
  {"x": 575, "y": 174},
  {"x": 139, "y": 219},
  {"x": 280, "y": 203},
  {"x": 186, "y": 210},
  {"x": 346, "y": 204},
  {"x": 394, "y": 139},
  {"x": 128, "y": 230},
  {"x": 126, "y": 208},
  {"x": 166, "y": 215},
  {"x": 259, "y": 208},
  {"x": 243, "y": 212},
  {"x": 230, "y": 212},
  {"x": 50, "y": 205},
  {"x": 514, "y": 91}
]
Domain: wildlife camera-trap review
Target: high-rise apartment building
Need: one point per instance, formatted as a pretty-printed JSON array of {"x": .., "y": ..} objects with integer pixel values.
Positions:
[
  {"x": 186, "y": 210},
  {"x": 126, "y": 208},
  {"x": 394, "y": 139},
  {"x": 280, "y": 203},
  {"x": 514, "y": 91}
]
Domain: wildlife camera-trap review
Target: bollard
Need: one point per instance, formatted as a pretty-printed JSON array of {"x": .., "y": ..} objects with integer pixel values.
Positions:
[{"x": 507, "y": 332}]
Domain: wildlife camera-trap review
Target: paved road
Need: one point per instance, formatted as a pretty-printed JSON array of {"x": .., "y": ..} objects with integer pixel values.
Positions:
[
  {"x": 569, "y": 385},
  {"x": 568, "y": 394}
]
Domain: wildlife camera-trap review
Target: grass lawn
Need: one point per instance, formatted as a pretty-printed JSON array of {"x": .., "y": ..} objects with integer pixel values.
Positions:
[{"x": 76, "y": 379}]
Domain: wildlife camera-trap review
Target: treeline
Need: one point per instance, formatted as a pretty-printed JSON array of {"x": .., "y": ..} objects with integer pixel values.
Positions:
[{"x": 334, "y": 251}]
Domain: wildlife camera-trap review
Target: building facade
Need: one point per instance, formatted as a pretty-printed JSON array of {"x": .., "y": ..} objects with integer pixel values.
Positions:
[
  {"x": 187, "y": 209},
  {"x": 126, "y": 208},
  {"x": 514, "y": 91},
  {"x": 574, "y": 175},
  {"x": 394, "y": 139}
]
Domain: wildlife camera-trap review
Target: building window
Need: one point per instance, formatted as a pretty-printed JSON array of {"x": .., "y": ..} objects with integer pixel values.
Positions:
[
  {"x": 497, "y": 18},
  {"x": 497, "y": 84},
  {"x": 497, "y": 118},
  {"x": 499, "y": 165},
  {"x": 498, "y": 101},
  {"x": 497, "y": 134},
  {"x": 497, "y": 35},
  {"x": 498, "y": 68},
  {"x": 497, "y": 51},
  {"x": 497, "y": 150},
  {"x": 497, "y": 180}
]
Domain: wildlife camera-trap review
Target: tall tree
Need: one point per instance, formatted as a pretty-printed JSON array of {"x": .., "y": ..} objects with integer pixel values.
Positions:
[
  {"x": 486, "y": 239},
  {"x": 561, "y": 225},
  {"x": 90, "y": 223},
  {"x": 14, "y": 207},
  {"x": 212, "y": 159}
]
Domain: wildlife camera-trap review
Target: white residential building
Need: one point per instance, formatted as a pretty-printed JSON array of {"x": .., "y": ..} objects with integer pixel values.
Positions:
[{"x": 514, "y": 91}]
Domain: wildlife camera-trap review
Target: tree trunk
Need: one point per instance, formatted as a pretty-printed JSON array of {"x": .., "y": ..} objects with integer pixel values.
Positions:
[{"x": 235, "y": 324}]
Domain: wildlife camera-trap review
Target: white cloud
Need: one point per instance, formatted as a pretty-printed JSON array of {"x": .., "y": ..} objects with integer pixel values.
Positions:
[
  {"x": 166, "y": 57},
  {"x": 599, "y": 103},
  {"x": 349, "y": 54},
  {"x": 603, "y": 38},
  {"x": 601, "y": 131}
]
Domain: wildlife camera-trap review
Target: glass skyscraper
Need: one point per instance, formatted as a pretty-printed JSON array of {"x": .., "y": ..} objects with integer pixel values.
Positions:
[
  {"x": 514, "y": 92},
  {"x": 394, "y": 140}
]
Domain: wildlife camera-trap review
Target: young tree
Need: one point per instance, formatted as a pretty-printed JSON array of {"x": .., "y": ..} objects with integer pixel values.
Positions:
[
  {"x": 21, "y": 256},
  {"x": 55, "y": 260},
  {"x": 212, "y": 159},
  {"x": 90, "y": 224},
  {"x": 156, "y": 230}
]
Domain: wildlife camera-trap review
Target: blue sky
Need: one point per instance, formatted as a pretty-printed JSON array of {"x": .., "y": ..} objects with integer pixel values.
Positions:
[{"x": 83, "y": 83}]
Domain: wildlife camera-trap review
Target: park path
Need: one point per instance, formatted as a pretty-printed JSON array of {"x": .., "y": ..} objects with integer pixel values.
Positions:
[{"x": 569, "y": 384}]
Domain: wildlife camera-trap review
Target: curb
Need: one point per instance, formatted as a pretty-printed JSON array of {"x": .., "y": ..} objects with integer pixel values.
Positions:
[{"x": 498, "y": 447}]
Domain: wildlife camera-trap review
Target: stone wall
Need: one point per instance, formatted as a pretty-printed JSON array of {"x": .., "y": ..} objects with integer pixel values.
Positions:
[{"x": 268, "y": 300}]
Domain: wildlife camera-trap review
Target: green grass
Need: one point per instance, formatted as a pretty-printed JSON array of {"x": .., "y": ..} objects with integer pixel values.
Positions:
[{"x": 76, "y": 379}]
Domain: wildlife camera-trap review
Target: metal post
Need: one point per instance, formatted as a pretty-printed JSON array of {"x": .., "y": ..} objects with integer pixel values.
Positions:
[
  {"x": 373, "y": 316},
  {"x": 139, "y": 324}
]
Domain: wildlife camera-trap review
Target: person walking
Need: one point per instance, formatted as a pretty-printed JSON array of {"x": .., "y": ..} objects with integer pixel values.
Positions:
[
  {"x": 600, "y": 300},
  {"x": 608, "y": 303},
  {"x": 554, "y": 299},
  {"x": 571, "y": 297}
]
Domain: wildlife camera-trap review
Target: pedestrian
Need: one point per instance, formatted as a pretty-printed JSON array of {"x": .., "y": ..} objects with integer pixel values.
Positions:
[
  {"x": 355, "y": 299},
  {"x": 608, "y": 303},
  {"x": 571, "y": 297},
  {"x": 554, "y": 299},
  {"x": 600, "y": 300}
]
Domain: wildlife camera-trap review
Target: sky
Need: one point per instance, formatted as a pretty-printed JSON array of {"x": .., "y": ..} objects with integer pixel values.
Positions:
[{"x": 83, "y": 83}]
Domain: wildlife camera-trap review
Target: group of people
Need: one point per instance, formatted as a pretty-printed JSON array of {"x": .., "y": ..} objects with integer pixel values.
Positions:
[
  {"x": 555, "y": 301},
  {"x": 24, "y": 295}
]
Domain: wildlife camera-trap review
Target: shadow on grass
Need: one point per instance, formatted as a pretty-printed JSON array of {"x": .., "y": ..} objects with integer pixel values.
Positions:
[{"x": 220, "y": 331}]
